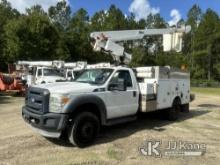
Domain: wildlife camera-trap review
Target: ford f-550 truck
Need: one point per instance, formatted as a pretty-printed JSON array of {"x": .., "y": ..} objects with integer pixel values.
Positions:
[
  {"x": 104, "y": 96},
  {"x": 109, "y": 95}
]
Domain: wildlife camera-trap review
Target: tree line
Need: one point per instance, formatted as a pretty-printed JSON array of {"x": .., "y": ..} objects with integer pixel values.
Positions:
[{"x": 61, "y": 34}]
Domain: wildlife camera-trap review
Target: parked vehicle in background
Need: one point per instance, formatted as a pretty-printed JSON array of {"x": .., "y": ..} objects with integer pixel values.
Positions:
[
  {"x": 41, "y": 72},
  {"x": 11, "y": 84},
  {"x": 72, "y": 70}
]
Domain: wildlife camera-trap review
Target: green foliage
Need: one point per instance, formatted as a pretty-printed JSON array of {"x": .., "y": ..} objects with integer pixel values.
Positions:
[
  {"x": 204, "y": 83},
  {"x": 206, "y": 45},
  {"x": 141, "y": 57},
  {"x": 98, "y": 21},
  {"x": 61, "y": 34},
  {"x": 207, "y": 91},
  {"x": 60, "y": 14},
  {"x": 115, "y": 19},
  {"x": 77, "y": 36},
  {"x": 155, "y": 21},
  {"x": 6, "y": 13},
  {"x": 32, "y": 37},
  {"x": 194, "y": 17}
]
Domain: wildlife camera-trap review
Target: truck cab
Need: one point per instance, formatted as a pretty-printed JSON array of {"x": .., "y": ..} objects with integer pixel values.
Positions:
[
  {"x": 47, "y": 75},
  {"x": 71, "y": 74},
  {"x": 107, "y": 93},
  {"x": 43, "y": 75}
]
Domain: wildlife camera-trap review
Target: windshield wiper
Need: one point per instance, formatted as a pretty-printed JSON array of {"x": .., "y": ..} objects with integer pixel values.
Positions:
[
  {"x": 81, "y": 81},
  {"x": 92, "y": 82},
  {"x": 89, "y": 82}
]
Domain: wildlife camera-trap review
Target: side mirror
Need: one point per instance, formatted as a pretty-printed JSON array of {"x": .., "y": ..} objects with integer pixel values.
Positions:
[{"x": 118, "y": 86}]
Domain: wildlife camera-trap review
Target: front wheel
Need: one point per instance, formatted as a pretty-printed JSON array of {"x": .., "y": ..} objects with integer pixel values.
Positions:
[{"x": 84, "y": 129}]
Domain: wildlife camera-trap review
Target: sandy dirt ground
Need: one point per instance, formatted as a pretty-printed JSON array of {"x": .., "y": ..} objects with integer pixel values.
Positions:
[{"x": 20, "y": 145}]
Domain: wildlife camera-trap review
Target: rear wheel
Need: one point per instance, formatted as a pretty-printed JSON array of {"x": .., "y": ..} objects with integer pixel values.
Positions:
[
  {"x": 173, "y": 112},
  {"x": 185, "y": 108},
  {"x": 84, "y": 129}
]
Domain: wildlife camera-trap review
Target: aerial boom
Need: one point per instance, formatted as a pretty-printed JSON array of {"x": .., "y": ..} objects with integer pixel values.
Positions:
[{"x": 107, "y": 41}]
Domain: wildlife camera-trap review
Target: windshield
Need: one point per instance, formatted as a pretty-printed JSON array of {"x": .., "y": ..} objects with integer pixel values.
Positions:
[
  {"x": 94, "y": 76},
  {"x": 51, "y": 72}
]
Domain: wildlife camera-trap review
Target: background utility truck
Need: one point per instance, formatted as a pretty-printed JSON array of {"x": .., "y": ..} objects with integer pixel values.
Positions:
[
  {"x": 105, "y": 96},
  {"x": 40, "y": 72}
]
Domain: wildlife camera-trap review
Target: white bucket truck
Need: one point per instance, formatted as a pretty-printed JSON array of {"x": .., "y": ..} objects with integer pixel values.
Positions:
[
  {"x": 41, "y": 72},
  {"x": 107, "y": 95}
]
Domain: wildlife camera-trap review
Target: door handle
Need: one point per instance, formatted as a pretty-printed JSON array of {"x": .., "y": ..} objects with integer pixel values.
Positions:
[{"x": 134, "y": 93}]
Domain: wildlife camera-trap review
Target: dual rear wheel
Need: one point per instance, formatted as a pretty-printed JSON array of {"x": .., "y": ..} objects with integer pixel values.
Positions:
[{"x": 174, "y": 111}]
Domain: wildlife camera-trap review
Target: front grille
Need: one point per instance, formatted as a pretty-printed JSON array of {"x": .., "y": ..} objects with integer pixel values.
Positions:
[{"x": 37, "y": 100}]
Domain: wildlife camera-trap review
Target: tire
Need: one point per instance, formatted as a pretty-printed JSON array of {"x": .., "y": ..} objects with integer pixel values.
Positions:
[
  {"x": 185, "y": 108},
  {"x": 84, "y": 129},
  {"x": 173, "y": 112}
]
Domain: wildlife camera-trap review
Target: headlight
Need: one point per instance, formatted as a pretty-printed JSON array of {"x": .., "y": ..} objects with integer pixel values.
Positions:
[{"x": 57, "y": 102}]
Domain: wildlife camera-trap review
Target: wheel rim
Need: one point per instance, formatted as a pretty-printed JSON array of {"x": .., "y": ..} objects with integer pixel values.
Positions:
[{"x": 86, "y": 131}]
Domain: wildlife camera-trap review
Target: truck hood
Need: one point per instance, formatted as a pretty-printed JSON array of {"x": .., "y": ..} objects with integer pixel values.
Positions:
[{"x": 68, "y": 87}]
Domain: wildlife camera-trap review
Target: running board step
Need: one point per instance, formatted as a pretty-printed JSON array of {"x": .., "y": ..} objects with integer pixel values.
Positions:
[{"x": 120, "y": 120}]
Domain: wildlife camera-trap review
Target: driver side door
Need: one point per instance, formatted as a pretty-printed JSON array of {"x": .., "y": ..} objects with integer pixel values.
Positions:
[{"x": 122, "y": 103}]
